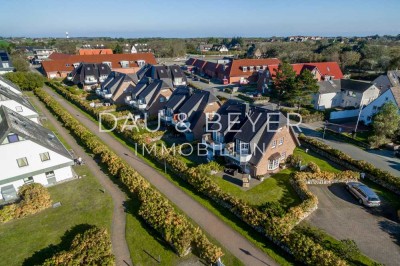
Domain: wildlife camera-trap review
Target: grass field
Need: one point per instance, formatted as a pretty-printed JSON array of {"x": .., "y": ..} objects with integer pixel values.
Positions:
[{"x": 82, "y": 203}]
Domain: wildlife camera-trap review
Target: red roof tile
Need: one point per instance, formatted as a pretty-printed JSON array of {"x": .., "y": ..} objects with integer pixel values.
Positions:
[
  {"x": 325, "y": 69},
  {"x": 64, "y": 63},
  {"x": 235, "y": 67},
  {"x": 94, "y": 51}
]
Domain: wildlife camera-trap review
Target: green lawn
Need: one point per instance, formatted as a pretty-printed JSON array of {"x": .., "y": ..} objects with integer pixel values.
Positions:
[
  {"x": 82, "y": 203},
  {"x": 313, "y": 157}
]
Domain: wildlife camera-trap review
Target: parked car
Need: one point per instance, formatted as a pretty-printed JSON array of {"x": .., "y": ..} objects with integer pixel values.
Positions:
[{"x": 364, "y": 194}]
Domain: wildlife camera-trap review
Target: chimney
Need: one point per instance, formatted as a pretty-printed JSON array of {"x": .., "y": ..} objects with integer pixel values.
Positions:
[{"x": 190, "y": 91}]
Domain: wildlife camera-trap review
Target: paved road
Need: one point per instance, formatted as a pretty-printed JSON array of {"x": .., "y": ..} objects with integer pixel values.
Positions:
[
  {"x": 382, "y": 159},
  {"x": 118, "y": 239},
  {"x": 375, "y": 230},
  {"x": 224, "y": 234}
]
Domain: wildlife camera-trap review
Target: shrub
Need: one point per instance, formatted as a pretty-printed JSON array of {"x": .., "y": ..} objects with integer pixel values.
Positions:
[
  {"x": 314, "y": 168},
  {"x": 7, "y": 213},
  {"x": 92, "y": 247},
  {"x": 294, "y": 160},
  {"x": 26, "y": 80}
]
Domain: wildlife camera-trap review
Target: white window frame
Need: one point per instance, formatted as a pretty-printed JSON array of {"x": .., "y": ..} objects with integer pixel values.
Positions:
[
  {"x": 273, "y": 164},
  {"x": 273, "y": 144},
  {"x": 19, "y": 109},
  {"x": 28, "y": 180},
  {"x": 281, "y": 140}
]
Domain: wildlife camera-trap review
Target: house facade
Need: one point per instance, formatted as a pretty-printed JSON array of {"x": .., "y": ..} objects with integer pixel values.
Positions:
[
  {"x": 344, "y": 93},
  {"x": 18, "y": 103},
  {"x": 117, "y": 87},
  {"x": 29, "y": 153},
  {"x": 41, "y": 54},
  {"x": 89, "y": 75},
  {"x": 254, "y": 138}
]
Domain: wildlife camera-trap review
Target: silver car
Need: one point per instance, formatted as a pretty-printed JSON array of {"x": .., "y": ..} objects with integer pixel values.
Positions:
[{"x": 364, "y": 194}]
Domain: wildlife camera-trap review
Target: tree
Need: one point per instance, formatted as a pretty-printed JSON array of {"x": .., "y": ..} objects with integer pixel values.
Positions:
[
  {"x": 385, "y": 124},
  {"x": 349, "y": 58},
  {"x": 285, "y": 81},
  {"x": 20, "y": 63},
  {"x": 306, "y": 86},
  {"x": 117, "y": 49}
]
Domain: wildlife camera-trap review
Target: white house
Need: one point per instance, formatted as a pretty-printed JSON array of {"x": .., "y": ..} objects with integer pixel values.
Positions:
[
  {"x": 9, "y": 85},
  {"x": 29, "y": 153},
  {"x": 18, "y": 103},
  {"x": 390, "y": 95},
  {"x": 344, "y": 93}
]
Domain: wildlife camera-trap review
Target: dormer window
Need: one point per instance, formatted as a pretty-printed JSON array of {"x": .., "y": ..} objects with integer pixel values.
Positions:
[
  {"x": 124, "y": 64},
  {"x": 251, "y": 68},
  {"x": 75, "y": 65},
  {"x": 141, "y": 63},
  {"x": 258, "y": 68},
  {"x": 12, "y": 138},
  {"x": 244, "y": 68},
  {"x": 107, "y": 63}
]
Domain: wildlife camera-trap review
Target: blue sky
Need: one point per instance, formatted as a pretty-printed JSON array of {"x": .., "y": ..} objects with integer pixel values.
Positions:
[{"x": 173, "y": 18}]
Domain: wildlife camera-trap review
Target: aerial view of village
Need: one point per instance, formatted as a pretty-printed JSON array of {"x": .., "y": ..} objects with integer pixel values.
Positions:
[{"x": 197, "y": 133}]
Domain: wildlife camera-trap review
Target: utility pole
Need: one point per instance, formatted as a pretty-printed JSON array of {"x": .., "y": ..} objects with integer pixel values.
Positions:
[{"x": 358, "y": 120}]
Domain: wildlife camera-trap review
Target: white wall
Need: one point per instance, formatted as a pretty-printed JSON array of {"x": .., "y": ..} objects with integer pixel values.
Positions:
[
  {"x": 371, "y": 109},
  {"x": 25, "y": 110},
  {"x": 326, "y": 100},
  {"x": 61, "y": 174},
  {"x": 9, "y": 153}
]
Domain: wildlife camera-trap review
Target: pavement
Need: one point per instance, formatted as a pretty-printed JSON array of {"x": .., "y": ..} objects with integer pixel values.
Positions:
[
  {"x": 375, "y": 230},
  {"x": 382, "y": 159},
  {"x": 118, "y": 237},
  {"x": 238, "y": 245}
]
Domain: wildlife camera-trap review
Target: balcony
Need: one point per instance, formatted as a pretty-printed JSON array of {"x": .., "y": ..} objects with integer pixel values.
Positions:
[
  {"x": 210, "y": 143},
  {"x": 129, "y": 101},
  {"x": 242, "y": 157},
  {"x": 164, "y": 116},
  {"x": 90, "y": 81}
]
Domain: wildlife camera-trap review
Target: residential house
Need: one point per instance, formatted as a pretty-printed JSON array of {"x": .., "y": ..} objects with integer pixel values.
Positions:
[
  {"x": 172, "y": 75},
  {"x": 385, "y": 82},
  {"x": 5, "y": 63},
  {"x": 320, "y": 70},
  {"x": 139, "y": 48},
  {"x": 9, "y": 85},
  {"x": 192, "y": 115},
  {"x": 344, "y": 93},
  {"x": 255, "y": 138},
  {"x": 219, "y": 48},
  {"x": 245, "y": 71},
  {"x": 60, "y": 65},
  {"x": 89, "y": 51},
  {"x": 89, "y": 75},
  {"x": 29, "y": 153},
  {"x": 174, "y": 103},
  {"x": 41, "y": 54},
  {"x": 389, "y": 95},
  {"x": 18, "y": 103},
  {"x": 149, "y": 96},
  {"x": 117, "y": 87},
  {"x": 204, "y": 48}
]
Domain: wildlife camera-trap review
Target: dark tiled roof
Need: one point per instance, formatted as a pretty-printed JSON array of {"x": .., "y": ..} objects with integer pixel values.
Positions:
[
  {"x": 9, "y": 83},
  {"x": 83, "y": 70},
  {"x": 12, "y": 122},
  {"x": 177, "y": 98}
]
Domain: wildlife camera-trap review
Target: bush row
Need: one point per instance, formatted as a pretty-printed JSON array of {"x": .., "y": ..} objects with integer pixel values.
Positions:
[
  {"x": 306, "y": 116},
  {"x": 33, "y": 199},
  {"x": 155, "y": 209},
  {"x": 377, "y": 175},
  {"x": 199, "y": 178}
]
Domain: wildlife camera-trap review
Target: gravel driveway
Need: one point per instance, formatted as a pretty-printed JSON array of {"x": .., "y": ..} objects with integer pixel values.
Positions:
[{"x": 375, "y": 230}]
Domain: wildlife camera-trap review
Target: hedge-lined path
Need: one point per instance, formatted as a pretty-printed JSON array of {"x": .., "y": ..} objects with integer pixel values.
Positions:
[
  {"x": 225, "y": 235},
  {"x": 118, "y": 239}
]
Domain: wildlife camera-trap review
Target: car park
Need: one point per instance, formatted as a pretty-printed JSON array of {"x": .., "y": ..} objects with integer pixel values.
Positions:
[{"x": 364, "y": 194}]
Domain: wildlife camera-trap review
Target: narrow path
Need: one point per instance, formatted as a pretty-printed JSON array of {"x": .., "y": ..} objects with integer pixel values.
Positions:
[
  {"x": 118, "y": 240},
  {"x": 238, "y": 245}
]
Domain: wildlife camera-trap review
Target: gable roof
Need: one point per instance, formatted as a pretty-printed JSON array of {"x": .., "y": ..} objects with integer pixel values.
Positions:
[
  {"x": 331, "y": 86},
  {"x": 79, "y": 73},
  {"x": 94, "y": 51},
  {"x": 234, "y": 67},
  {"x": 16, "y": 97},
  {"x": 396, "y": 94},
  {"x": 64, "y": 63},
  {"x": 115, "y": 80},
  {"x": 178, "y": 97},
  {"x": 331, "y": 69},
  {"x": 13, "y": 122}
]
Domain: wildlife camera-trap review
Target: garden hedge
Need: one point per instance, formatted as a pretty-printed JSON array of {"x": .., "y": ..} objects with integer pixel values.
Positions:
[{"x": 199, "y": 178}]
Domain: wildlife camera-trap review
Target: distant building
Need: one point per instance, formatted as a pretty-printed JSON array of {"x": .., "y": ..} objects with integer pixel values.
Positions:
[
  {"x": 390, "y": 79},
  {"x": 60, "y": 65},
  {"x": 41, "y": 54},
  {"x": 88, "y": 51},
  {"x": 29, "y": 153},
  {"x": 138, "y": 48},
  {"x": 204, "y": 48},
  {"x": 219, "y": 48},
  {"x": 5, "y": 63}
]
